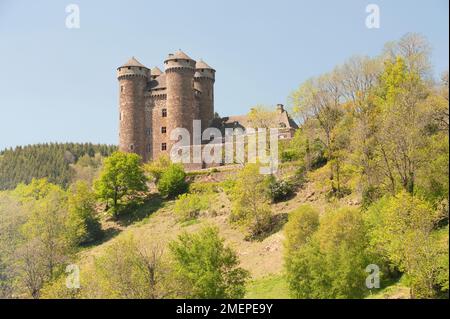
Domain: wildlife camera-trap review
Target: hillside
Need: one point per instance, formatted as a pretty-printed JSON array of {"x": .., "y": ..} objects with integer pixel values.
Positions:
[
  {"x": 50, "y": 160},
  {"x": 156, "y": 222}
]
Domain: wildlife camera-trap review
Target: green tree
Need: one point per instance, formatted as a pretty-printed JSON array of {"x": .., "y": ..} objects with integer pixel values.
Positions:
[
  {"x": 402, "y": 231},
  {"x": 330, "y": 262},
  {"x": 82, "y": 224},
  {"x": 172, "y": 181},
  {"x": 251, "y": 200},
  {"x": 205, "y": 268},
  {"x": 302, "y": 224},
  {"x": 127, "y": 269},
  {"x": 121, "y": 180}
]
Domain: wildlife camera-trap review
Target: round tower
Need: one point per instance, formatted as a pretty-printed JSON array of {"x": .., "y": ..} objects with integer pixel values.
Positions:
[
  {"x": 204, "y": 78},
  {"x": 133, "y": 78},
  {"x": 179, "y": 69}
]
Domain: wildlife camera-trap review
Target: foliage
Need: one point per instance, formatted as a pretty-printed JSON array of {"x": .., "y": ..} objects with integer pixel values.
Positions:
[
  {"x": 188, "y": 206},
  {"x": 121, "y": 180},
  {"x": 49, "y": 160},
  {"x": 157, "y": 167},
  {"x": 280, "y": 189},
  {"x": 401, "y": 230},
  {"x": 128, "y": 270},
  {"x": 83, "y": 226},
  {"x": 330, "y": 262},
  {"x": 172, "y": 181},
  {"x": 205, "y": 268},
  {"x": 302, "y": 224},
  {"x": 251, "y": 201}
]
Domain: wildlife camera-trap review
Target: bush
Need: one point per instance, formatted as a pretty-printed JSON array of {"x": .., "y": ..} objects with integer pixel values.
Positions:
[
  {"x": 204, "y": 188},
  {"x": 280, "y": 190},
  {"x": 329, "y": 262},
  {"x": 402, "y": 231},
  {"x": 189, "y": 206},
  {"x": 83, "y": 225},
  {"x": 302, "y": 224},
  {"x": 205, "y": 268},
  {"x": 251, "y": 201},
  {"x": 173, "y": 181}
]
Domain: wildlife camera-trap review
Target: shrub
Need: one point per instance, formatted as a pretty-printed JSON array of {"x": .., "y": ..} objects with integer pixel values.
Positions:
[
  {"x": 173, "y": 181},
  {"x": 205, "y": 268},
  {"x": 204, "y": 188},
  {"x": 280, "y": 190},
  {"x": 402, "y": 230},
  {"x": 188, "y": 206},
  {"x": 329, "y": 262},
  {"x": 83, "y": 226},
  {"x": 251, "y": 201},
  {"x": 302, "y": 224}
]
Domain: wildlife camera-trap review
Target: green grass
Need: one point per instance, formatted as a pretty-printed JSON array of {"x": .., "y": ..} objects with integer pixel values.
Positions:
[{"x": 269, "y": 287}]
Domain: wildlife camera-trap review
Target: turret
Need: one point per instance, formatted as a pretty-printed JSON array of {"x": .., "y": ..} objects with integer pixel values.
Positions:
[
  {"x": 179, "y": 69},
  {"x": 204, "y": 82},
  {"x": 133, "y": 78}
]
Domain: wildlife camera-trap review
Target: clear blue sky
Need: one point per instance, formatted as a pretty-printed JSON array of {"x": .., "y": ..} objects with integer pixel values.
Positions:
[{"x": 59, "y": 84}]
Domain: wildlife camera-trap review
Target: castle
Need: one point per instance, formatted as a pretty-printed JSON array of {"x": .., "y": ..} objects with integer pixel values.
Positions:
[{"x": 153, "y": 102}]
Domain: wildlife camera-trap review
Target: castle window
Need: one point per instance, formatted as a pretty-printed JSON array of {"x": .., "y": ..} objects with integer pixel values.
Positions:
[
  {"x": 163, "y": 129},
  {"x": 147, "y": 131},
  {"x": 163, "y": 146},
  {"x": 148, "y": 148},
  {"x": 121, "y": 88},
  {"x": 131, "y": 147},
  {"x": 164, "y": 112}
]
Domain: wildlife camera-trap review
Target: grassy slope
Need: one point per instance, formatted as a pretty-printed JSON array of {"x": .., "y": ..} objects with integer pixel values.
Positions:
[{"x": 155, "y": 222}]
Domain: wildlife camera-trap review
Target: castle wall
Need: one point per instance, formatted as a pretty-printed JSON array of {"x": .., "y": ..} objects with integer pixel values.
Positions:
[{"x": 157, "y": 104}]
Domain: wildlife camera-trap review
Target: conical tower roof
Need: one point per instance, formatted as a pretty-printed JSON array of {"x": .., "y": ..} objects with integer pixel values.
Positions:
[
  {"x": 202, "y": 65},
  {"x": 133, "y": 62},
  {"x": 156, "y": 71},
  {"x": 178, "y": 55}
]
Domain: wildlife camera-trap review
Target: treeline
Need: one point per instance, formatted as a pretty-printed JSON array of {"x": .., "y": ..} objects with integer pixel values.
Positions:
[{"x": 49, "y": 160}]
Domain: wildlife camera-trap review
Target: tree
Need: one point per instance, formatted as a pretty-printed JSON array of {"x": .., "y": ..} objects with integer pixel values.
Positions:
[
  {"x": 401, "y": 137},
  {"x": 329, "y": 262},
  {"x": 205, "y": 268},
  {"x": 172, "y": 181},
  {"x": 127, "y": 269},
  {"x": 302, "y": 224},
  {"x": 401, "y": 230},
  {"x": 121, "y": 180},
  {"x": 156, "y": 168},
  {"x": 83, "y": 226},
  {"x": 251, "y": 201},
  {"x": 262, "y": 117}
]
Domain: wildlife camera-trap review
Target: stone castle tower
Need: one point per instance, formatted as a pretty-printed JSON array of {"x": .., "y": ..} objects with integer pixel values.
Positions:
[{"x": 152, "y": 102}]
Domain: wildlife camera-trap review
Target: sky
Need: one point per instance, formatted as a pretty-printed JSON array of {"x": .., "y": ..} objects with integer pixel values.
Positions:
[{"x": 58, "y": 84}]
